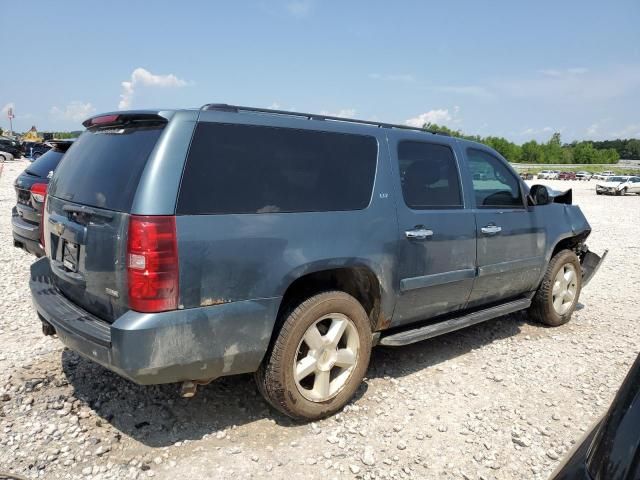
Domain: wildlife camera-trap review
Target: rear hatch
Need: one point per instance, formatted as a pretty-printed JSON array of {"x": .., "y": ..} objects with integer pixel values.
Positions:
[{"x": 88, "y": 206}]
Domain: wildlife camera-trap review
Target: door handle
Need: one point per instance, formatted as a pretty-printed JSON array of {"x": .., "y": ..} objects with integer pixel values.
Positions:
[
  {"x": 418, "y": 234},
  {"x": 491, "y": 229}
]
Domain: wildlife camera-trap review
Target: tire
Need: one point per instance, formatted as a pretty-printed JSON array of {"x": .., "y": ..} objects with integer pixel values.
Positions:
[
  {"x": 623, "y": 191},
  {"x": 2, "y": 158},
  {"x": 598, "y": 193},
  {"x": 305, "y": 398},
  {"x": 542, "y": 307}
]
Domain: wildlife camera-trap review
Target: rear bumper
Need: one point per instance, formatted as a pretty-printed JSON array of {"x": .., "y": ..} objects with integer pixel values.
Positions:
[
  {"x": 193, "y": 344},
  {"x": 26, "y": 235}
]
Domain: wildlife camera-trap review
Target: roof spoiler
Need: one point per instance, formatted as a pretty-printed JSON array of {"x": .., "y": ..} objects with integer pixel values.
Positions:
[{"x": 122, "y": 118}]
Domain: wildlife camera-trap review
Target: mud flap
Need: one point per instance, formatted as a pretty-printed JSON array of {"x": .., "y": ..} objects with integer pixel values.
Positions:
[{"x": 590, "y": 265}]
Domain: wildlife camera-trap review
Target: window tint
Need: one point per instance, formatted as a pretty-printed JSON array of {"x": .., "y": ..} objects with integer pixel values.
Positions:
[
  {"x": 494, "y": 184},
  {"x": 45, "y": 164},
  {"x": 429, "y": 175},
  {"x": 103, "y": 167},
  {"x": 255, "y": 169}
]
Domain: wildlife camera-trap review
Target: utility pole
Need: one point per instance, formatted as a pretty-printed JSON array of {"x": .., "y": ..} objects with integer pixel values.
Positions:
[{"x": 11, "y": 116}]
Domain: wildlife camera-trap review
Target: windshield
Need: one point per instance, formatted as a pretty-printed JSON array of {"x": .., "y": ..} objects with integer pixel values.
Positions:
[
  {"x": 104, "y": 166},
  {"x": 45, "y": 164},
  {"x": 616, "y": 179}
]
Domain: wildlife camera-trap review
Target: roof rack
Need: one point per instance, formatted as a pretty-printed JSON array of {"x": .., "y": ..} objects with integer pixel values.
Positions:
[{"x": 223, "y": 107}]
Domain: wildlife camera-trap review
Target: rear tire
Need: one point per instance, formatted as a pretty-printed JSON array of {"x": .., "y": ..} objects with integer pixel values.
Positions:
[
  {"x": 558, "y": 294},
  {"x": 319, "y": 358}
]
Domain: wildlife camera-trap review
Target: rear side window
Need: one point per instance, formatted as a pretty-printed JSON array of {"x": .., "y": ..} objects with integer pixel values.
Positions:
[
  {"x": 45, "y": 164},
  {"x": 103, "y": 167},
  {"x": 256, "y": 169},
  {"x": 494, "y": 184},
  {"x": 429, "y": 176}
]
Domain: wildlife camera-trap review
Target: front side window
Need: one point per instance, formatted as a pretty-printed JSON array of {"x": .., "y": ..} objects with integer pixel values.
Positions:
[
  {"x": 429, "y": 176},
  {"x": 494, "y": 184},
  {"x": 255, "y": 169}
]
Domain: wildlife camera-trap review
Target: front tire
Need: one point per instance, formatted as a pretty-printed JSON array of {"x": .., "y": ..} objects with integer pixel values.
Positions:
[
  {"x": 557, "y": 296},
  {"x": 319, "y": 358}
]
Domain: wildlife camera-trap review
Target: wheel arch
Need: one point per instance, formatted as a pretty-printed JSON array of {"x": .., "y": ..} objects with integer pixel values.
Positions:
[{"x": 358, "y": 280}]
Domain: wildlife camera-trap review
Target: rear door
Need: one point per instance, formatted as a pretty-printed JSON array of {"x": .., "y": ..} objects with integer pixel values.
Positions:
[
  {"x": 87, "y": 211},
  {"x": 510, "y": 243},
  {"x": 437, "y": 245}
]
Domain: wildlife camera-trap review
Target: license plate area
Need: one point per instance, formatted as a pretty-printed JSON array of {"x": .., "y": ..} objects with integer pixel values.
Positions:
[{"x": 70, "y": 255}]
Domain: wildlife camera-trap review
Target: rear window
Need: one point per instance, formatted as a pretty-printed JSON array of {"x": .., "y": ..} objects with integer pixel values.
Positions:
[
  {"x": 255, "y": 169},
  {"x": 104, "y": 166},
  {"x": 45, "y": 164}
]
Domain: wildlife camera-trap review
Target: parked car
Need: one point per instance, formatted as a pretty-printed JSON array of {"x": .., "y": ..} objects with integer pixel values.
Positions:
[
  {"x": 31, "y": 191},
  {"x": 582, "y": 175},
  {"x": 611, "y": 447},
  {"x": 567, "y": 176},
  {"x": 603, "y": 175},
  {"x": 33, "y": 150},
  {"x": 526, "y": 175},
  {"x": 5, "y": 156},
  {"x": 618, "y": 185},
  {"x": 186, "y": 245},
  {"x": 549, "y": 174},
  {"x": 10, "y": 146}
]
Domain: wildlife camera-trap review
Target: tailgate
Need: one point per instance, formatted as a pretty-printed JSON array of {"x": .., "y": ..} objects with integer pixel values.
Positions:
[
  {"x": 87, "y": 251},
  {"x": 87, "y": 211}
]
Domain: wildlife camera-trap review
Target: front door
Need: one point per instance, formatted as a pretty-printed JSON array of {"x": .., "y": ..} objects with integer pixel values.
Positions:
[
  {"x": 510, "y": 243},
  {"x": 437, "y": 250}
]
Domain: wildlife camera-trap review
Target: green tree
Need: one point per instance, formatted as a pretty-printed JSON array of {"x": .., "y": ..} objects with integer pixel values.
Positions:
[
  {"x": 532, "y": 152},
  {"x": 553, "y": 150},
  {"x": 584, "y": 152}
]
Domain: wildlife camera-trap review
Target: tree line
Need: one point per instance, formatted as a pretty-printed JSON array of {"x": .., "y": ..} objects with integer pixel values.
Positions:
[{"x": 553, "y": 151}]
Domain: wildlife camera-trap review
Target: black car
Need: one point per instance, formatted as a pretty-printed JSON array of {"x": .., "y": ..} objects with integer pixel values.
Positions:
[
  {"x": 31, "y": 190},
  {"x": 35, "y": 150},
  {"x": 10, "y": 146},
  {"x": 611, "y": 449}
]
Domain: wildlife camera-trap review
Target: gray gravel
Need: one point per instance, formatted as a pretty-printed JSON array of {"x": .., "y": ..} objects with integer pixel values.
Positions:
[{"x": 504, "y": 400}]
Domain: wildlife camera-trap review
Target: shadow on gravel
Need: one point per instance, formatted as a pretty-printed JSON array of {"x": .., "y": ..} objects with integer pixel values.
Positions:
[
  {"x": 156, "y": 416},
  {"x": 400, "y": 361}
]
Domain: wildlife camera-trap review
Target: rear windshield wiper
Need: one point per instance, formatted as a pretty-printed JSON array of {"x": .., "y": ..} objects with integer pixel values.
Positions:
[{"x": 87, "y": 211}]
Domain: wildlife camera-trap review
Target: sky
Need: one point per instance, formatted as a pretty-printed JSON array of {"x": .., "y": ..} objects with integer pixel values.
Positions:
[{"x": 521, "y": 70}]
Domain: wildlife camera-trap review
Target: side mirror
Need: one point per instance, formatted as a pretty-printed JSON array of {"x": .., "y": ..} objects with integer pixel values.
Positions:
[{"x": 539, "y": 195}]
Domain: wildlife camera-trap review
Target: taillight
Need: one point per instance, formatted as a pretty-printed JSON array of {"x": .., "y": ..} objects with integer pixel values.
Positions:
[
  {"x": 44, "y": 210},
  {"x": 152, "y": 263},
  {"x": 39, "y": 192}
]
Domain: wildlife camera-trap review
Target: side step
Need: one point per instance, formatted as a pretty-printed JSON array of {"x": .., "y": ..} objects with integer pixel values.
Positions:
[{"x": 433, "y": 330}]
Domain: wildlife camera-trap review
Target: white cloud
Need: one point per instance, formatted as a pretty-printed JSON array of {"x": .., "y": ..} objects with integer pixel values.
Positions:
[
  {"x": 274, "y": 106},
  {"x": 344, "y": 113},
  {"x": 393, "y": 77},
  {"x": 142, "y": 77},
  {"x": 470, "y": 90},
  {"x": 537, "y": 131},
  {"x": 630, "y": 131},
  {"x": 74, "y": 111},
  {"x": 300, "y": 8},
  {"x": 551, "y": 72},
  {"x": 6, "y": 108},
  {"x": 594, "y": 129},
  {"x": 574, "y": 85},
  {"x": 439, "y": 116}
]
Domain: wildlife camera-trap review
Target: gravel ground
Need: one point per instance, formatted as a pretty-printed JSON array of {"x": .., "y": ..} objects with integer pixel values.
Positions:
[{"x": 504, "y": 400}]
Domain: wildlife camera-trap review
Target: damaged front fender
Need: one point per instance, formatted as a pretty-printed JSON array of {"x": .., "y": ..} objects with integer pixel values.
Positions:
[{"x": 590, "y": 264}]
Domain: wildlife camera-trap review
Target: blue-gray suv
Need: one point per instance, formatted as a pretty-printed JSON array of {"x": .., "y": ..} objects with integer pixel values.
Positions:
[{"x": 185, "y": 245}]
